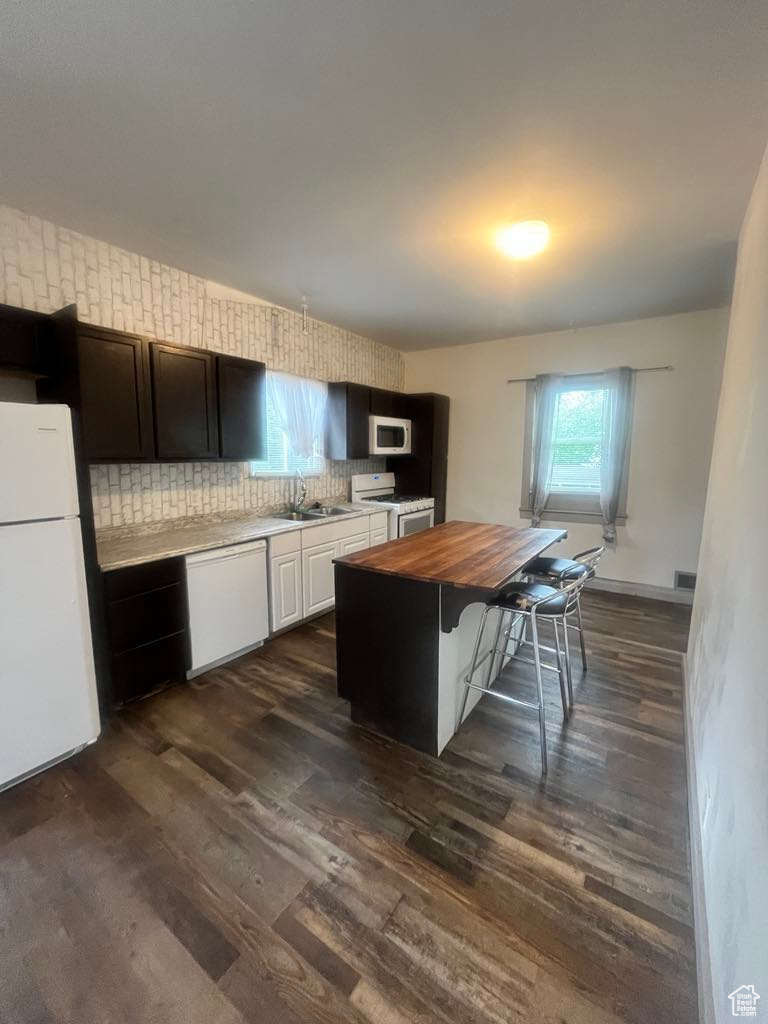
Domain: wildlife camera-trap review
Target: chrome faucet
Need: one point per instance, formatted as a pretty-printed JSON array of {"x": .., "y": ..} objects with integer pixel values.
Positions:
[{"x": 300, "y": 490}]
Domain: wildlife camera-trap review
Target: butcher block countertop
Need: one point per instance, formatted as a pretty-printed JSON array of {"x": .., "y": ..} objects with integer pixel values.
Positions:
[{"x": 458, "y": 554}]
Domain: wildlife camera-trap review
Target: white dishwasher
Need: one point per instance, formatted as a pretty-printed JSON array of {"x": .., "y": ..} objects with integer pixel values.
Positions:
[{"x": 228, "y": 603}]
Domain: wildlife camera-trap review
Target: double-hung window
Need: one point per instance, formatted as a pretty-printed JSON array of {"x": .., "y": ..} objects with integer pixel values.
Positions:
[
  {"x": 295, "y": 411},
  {"x": 577, "y": 447}
]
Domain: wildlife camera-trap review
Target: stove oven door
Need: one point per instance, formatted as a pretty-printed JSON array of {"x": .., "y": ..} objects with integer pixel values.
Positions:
[{"x": 414, "y": 522}]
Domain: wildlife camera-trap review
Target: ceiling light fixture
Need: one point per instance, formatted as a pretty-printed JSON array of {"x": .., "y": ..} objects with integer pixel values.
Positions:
[{"x": 524, "y": 239}]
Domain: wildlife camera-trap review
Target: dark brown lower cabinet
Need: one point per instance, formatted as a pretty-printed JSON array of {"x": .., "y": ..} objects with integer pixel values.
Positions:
[{"x": 147, "y": 627}]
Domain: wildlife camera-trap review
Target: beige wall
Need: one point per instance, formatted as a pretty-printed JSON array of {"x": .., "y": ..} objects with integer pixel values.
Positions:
[
  {"x": 674, "y": 417},
  {"x": 44, "y": 266},
  {"x": 727, "y": 698}
]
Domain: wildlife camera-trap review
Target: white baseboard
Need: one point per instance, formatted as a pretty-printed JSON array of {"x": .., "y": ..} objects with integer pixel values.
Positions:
[
  {"x": 700, "y": 925},
  {"x": 642, "y": 590}
]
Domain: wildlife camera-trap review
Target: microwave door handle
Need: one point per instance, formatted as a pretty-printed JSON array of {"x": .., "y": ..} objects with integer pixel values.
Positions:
[{"x": 406, "y": 441}]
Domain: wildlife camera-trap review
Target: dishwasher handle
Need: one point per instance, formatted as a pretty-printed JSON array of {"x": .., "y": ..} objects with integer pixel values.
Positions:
[{"x": 222, "y": 554}]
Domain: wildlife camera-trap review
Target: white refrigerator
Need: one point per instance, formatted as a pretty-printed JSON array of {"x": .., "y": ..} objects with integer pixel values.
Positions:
[{"x": 48, "y": 703}]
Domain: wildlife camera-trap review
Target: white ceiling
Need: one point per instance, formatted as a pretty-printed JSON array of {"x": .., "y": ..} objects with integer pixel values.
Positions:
[{"x": 361, "y": 151}]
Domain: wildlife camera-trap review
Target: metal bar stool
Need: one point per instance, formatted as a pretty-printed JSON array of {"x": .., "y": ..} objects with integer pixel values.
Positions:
[
  {"x": 527, "y": 603},
  {"x": 559, "y": 572}
]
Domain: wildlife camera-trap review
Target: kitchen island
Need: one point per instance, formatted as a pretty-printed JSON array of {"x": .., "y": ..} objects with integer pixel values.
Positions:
[{"x": 407, "y": 614}]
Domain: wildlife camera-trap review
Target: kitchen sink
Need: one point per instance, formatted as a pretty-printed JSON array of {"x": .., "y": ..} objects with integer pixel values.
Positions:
[
  {"x": 295, "y": 517},
  {"x": 327, "y": 510},
  {"x": 308, "y": 514}
]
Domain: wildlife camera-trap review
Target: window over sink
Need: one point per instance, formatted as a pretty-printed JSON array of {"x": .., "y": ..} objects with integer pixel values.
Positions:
[{"x": 295, "y": 411}]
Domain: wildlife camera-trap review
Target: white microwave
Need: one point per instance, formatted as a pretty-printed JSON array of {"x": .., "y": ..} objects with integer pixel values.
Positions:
[{"x": 389, "y": 436}]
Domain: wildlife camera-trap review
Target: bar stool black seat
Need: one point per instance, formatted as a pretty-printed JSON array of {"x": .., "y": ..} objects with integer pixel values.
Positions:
[
  {"x": 561, "y": 572},
  {"x": 525, "y": 604},
  {"x": 520, "y": 596},
  {"x": 560, "y": 569}
]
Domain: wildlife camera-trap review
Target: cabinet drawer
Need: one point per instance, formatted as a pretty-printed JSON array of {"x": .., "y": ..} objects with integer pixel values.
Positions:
[
  {"x": 145, "y": 617},
  {"x": 323, "y": 533},
  {"x": 143, "y": 669},
  {"x": 359, "y": 542},
  {"x": 338, "y": 529},
  {"x": 379, "y": 537},
  {"x": 138, "y": 579},
  {"x": 284, "y": 543},
  {"x": 379, "y": 521}
]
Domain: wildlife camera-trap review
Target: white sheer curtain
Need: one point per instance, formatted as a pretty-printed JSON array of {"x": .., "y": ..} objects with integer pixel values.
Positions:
[
  {"x": 617, "y": 412},
  {"x": 299, "y": 405},
  {"x": 547, "y": 390}
]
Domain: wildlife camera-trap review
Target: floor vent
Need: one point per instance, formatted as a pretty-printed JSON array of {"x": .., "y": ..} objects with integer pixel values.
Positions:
[{"x": 685, "y": 580}]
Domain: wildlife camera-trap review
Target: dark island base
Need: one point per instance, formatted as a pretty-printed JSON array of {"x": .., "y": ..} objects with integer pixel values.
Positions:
[{"x": 387, "y": 636}]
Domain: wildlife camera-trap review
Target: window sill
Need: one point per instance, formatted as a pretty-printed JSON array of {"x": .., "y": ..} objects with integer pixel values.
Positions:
[{"x": 571, "y": 516}]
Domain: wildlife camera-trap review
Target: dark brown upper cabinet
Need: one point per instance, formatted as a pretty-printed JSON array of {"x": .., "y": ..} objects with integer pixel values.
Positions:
[
  {"x": 25, "y": 342},
  {"x": 381, "y": 402},
  {"x": 349, "y": 406},
  {"x": 115, "y": 400},
  {"x": 426, "y": 470},
  {"x": 241, "y": 408},
  {"x": 390, "y": 403},
  {"x": 430, "y": 425},
  {"x": 184, "y": 396}
]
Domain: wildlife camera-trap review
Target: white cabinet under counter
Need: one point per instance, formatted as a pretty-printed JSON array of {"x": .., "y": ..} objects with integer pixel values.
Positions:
[
  {"x": 379, "y": 528},
  {"x": 359, "y": 542},
  {"x": 286, "y": 602},
  {"x": 301, "y": 572},
  {"x": 317, "y": 572}
]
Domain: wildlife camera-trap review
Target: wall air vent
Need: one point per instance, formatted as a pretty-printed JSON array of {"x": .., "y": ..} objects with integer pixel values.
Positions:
[{"x": 685, "y": 580}]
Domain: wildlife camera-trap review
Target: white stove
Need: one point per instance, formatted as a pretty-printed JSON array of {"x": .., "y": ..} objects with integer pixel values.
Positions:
[{"x": 408, "y": 513}]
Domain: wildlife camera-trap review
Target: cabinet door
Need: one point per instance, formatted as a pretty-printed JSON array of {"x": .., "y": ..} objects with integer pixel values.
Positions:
[
  {"x": 114, "y": 396},
  {"x": 285, "y": 595},
  {"x": 241, "y": 408},
  {"x": 402, "y": 406},
  {"x": 391, "y": 403},
  {"x": 24, "y": 341},
  {"x": 357, "y": 543},
  {"x": 184, "y": 392},
  {"x": 379, "y": 537},
  {"x": 318, "y": 577},
  {"x": 349, "y": 407},
  {"x": 381, "y": 402}
]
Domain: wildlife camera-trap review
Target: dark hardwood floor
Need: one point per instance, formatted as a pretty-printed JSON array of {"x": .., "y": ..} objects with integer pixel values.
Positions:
[{"x": 235, "y": 850}]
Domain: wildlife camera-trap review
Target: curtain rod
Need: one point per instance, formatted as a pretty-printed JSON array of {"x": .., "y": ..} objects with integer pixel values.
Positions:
[{"x": 589, "y": 373}]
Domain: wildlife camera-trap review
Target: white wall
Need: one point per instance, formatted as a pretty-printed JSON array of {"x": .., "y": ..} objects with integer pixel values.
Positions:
[
  {"x": 674, "y": 420},
  {"x": 727, "y": 697},
  {"x": 44, "y": 266}
]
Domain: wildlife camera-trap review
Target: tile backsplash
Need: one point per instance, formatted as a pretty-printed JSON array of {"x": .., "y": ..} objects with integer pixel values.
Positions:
[
  {"x": 44, "y": 267},
  {"x": 146, "y": 493}
]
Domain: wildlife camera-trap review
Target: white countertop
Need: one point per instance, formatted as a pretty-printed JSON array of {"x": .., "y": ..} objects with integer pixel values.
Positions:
[{"x": 131, "y": 545}]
